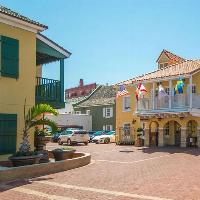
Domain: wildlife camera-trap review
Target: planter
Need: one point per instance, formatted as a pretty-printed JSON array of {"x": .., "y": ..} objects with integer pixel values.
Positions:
[
  {"x": 41, "y": 141},
  {"x": 63, "y": 155},
  {"x": 25, "y": 160},
  {"x": 139, "y": 142}
]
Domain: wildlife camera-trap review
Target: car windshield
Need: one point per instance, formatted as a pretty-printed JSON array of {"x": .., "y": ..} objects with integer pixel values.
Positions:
[
  {"x": 110, "y": 133},
  {"x": 66, "y": 132},
  {"x": 99, "y": 133}
]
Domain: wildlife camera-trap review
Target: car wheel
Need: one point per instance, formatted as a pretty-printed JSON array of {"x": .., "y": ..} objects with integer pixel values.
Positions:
[
  {"x": 69, "y": 142},
  {"x": 86, "y": 143},
  {"x": 107, "y": 140},
  {"x": 59, "y": 142}
]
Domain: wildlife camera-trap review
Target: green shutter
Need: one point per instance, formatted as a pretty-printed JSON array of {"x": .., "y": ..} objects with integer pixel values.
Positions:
[
  {"x": 9, "y": 57},
  {"x": 8, "y": 133}
]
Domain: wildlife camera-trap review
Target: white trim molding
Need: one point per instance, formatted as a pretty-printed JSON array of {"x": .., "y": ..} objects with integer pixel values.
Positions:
[
  {"x": 12, "y": 21},
  {"x": 51, "y": 44}
]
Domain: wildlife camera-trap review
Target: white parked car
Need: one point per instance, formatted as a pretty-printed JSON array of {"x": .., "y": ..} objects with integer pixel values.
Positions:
[
  {"x": 73, "y": 136},
  {"x": 106, "y": 138}
]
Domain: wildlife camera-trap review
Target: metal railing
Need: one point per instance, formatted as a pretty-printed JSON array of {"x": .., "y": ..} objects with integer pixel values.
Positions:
[
  {"x": 125, "y": 136},
  {"x": 47, "y": 89}
]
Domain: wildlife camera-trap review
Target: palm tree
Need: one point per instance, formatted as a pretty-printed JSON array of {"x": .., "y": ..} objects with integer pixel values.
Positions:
[{"x": 33, "y": 118}]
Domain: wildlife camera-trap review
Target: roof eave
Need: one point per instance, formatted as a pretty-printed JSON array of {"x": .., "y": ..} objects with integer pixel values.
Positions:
[
  {"x": 20, "y": 23},
  {"x": 52, "y": 44}
]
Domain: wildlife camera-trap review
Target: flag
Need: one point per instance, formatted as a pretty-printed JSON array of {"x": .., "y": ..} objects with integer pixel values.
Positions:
[
  {"x": 122, "y": 91},
  {"x": 141, "y": 90},
  {"x": 179, "y": 86},
  {"x": 161, "y": 91}
]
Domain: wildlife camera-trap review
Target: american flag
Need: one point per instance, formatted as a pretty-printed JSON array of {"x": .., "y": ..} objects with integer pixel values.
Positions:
[{"x": 122, "y": 91}]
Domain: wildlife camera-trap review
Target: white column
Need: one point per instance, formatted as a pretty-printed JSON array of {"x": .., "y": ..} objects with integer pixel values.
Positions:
[
  {"x": 170, "y": 94},
  {"x": 191, "y": 92},
  {"x": 160, "y": 137},
  {"x": 153, "y": 97},
  {"x": 183, "y": 136}
]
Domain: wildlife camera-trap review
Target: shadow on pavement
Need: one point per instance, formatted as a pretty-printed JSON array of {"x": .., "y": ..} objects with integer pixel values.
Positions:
[
  {"x": 17, "y": 183},
  {"x": 171, "y": 150}
]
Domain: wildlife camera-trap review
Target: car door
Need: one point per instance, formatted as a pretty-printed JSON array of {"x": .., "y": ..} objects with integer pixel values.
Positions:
[{"x": 74, "y": 136}]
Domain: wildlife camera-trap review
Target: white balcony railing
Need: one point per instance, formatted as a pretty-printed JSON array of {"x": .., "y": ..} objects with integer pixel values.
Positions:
[
  {"x": 195, "y": 100},
  {"x": 178, "y": 101}
]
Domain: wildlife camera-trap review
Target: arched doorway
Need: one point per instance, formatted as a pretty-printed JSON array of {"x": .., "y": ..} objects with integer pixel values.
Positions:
[
  {"x": 191, "y": 133},
  {"x": 153, "y": 133},
  {"x": 172, "y": 133}
]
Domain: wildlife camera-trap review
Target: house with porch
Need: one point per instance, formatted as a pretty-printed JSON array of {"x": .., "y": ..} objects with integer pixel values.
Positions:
[
  {"x": 168, "y": 116},
  {"x": 23, "y": 51}
]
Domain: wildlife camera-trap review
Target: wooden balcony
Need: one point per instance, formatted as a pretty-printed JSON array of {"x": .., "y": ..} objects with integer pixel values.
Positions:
[{"x": 48, "y": 91}]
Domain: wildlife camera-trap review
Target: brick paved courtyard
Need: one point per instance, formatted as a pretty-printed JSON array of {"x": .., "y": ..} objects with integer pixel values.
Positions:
[{"x": 118, "y": 173}]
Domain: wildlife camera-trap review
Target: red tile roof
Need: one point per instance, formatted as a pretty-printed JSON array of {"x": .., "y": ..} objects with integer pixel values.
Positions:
[
  {"x": 180, "y": 69},
  {"x": 171, "y": 56}
]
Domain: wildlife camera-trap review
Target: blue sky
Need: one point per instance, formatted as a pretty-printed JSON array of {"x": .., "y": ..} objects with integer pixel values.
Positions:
[{"x": 114, "y": 40}]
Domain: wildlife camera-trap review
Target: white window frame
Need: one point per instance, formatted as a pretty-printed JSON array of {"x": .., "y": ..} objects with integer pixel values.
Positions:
[
  {"x": 194, "y": 89},
  {"x": 105, "y": 112},
  {"x": 108, "y": 127},
  {"x": 128, "y": 108},
  {"x": 88, "y": 112}
]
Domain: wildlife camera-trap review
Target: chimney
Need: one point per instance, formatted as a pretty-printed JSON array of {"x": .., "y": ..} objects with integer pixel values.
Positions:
[{"x": 81, "y": 82}]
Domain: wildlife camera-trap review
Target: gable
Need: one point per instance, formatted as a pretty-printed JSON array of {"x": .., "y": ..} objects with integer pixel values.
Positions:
[{"x": 163, "y": 58}]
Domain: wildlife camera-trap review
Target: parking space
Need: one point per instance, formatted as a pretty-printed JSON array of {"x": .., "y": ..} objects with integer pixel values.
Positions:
[{"x": 118, "y": 173}]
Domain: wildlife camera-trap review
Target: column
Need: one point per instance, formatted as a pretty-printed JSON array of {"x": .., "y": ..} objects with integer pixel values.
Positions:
[
  {"x": 170, "y": 94},
  {"x": 62, "y": 80},
  {"x": 146, "y": 140},
  {"x": 153, "y": 96},
  {"x": 183, "y": 137},
  {"x": 198, "y": 136},
  {"x": 190, "y": 92},
  {"x": 160, "y": 137}
]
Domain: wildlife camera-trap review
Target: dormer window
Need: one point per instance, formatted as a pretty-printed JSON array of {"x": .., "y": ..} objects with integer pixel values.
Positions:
[{"x": 163, "y": 65}]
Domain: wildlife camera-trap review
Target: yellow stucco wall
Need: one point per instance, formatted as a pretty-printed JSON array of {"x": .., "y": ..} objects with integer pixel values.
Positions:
[
  {"x": 13, "y": 92},
  {"x": 127, "y": 117}
]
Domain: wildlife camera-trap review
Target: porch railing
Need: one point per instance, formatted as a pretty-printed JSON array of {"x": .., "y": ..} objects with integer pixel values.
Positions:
[
  {"x": 178, "y": 101},
  {"x": 47, "y": 90},
  {"x": 196, "y": 100}
]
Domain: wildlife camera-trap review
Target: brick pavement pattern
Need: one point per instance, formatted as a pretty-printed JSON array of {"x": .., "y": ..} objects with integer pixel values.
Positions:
[{"x": 117, "y": 173}]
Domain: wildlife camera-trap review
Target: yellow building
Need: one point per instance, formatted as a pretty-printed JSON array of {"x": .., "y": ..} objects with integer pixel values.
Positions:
[
  {"x": 167, "y": 118},
  {"x": 23, "y": 51}
]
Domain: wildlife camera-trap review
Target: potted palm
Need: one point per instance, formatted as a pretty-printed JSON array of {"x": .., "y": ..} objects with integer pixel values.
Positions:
[
  {"x": 63, "y": 153},
  {"x": 32, "y": 119},
  {"x": 42, "y": 137},
  {"x": 138, "y": 142}
]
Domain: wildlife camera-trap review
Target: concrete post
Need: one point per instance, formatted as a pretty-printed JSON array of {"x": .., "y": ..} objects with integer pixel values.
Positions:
[
  {"x": 161, "y": 137},
  {"x": 146, "y": 141},
  {"x": 198, "y": 136},
  {"x": 183, "y": 137}
]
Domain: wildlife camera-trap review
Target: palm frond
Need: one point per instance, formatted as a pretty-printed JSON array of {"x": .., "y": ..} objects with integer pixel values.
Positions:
[
  {"x": 39, "y": 110},
  {"x": 47, "y": 122}
]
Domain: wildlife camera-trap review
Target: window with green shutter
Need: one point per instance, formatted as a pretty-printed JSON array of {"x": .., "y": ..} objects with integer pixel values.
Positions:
[
  {"x": 8, "y": 133},
  {"x": 9, "y": 60}
]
